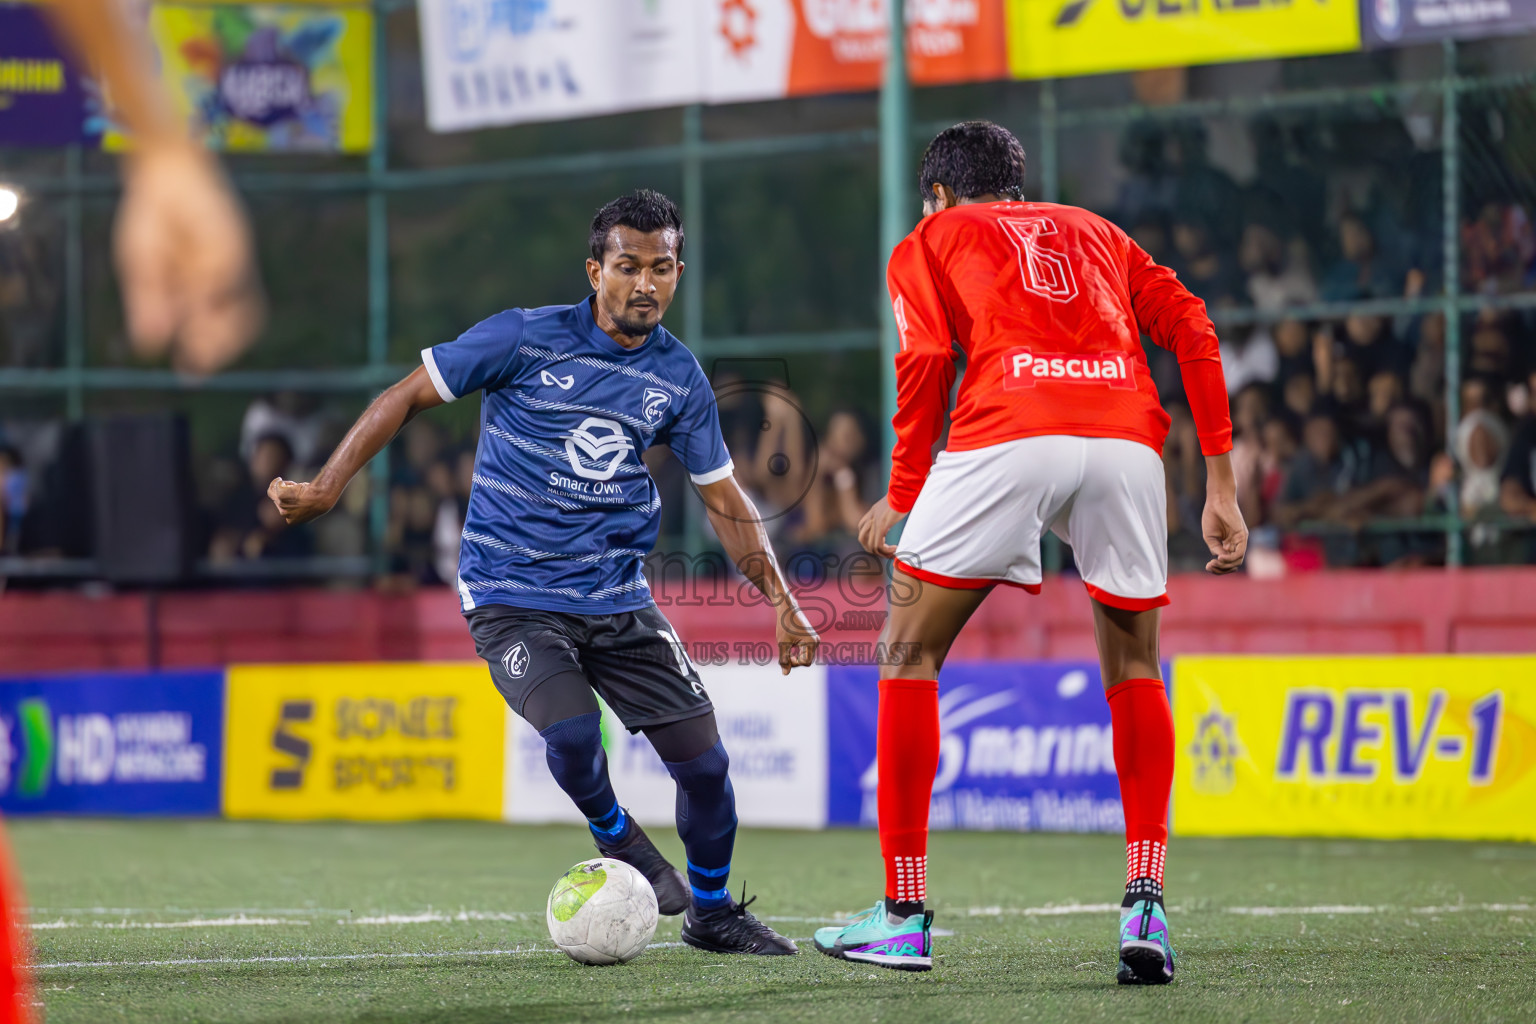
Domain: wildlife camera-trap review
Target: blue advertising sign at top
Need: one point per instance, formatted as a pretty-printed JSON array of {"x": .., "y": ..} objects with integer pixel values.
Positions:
[
  {"x": 1407, "y": 22},
  {"x": 1026, "y": 747},
  {"x": 128, "y": 743},
  {"x": 43, "y": 98}
]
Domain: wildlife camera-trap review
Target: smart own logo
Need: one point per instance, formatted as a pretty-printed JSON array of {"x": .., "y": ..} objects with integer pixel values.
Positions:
[{"x": 595, "y": 440}]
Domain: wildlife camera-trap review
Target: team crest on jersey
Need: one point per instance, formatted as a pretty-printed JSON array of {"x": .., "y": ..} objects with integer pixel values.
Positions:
[
  {"x": 516, "y": 660},
  {"x": 656, "y": 402},
  {"x": 595, "y": 440}
]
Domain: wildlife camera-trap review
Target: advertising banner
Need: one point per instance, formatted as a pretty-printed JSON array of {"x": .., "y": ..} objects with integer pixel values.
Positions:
[
  {"x": 1051, "y": 38},
  {"x": 1026, "y": 747},
  {"x": 43, "y": 98},
  {"x": 268, "y": 79},
  {"x": 381, "y": 742},
  {"x": 112, "y": 744},
  {"x": 774, "y": 728},
  {"x": 770, "y": 49},
  {"x": 1406, "y": 22},
  {"x": 489, "y": 62},
  {"x": 1421, "y": 747}
]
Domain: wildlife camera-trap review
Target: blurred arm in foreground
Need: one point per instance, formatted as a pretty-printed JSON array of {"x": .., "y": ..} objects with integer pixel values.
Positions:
[{"x": 182, "y": 244}]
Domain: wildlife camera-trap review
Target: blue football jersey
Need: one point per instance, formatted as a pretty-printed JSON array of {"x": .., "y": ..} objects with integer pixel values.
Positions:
[{"x": 563, "y": 511}]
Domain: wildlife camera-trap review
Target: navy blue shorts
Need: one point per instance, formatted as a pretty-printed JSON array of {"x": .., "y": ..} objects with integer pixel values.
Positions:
[{"x": 632, "y": 659}]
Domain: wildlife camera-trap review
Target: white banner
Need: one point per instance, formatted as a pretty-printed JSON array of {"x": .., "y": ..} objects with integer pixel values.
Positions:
[
  {"x": 490, "y": 62},
  {"x": 775, "y": 731}
]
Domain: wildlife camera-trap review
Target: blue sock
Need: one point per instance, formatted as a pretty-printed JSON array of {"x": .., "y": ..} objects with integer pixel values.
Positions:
[
  {"x": 574, "y": 751},
  {"x": 706, "y": 821}
]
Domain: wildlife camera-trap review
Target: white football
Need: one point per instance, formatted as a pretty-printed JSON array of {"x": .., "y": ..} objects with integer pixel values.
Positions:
[{"x": 602, "y": 911}]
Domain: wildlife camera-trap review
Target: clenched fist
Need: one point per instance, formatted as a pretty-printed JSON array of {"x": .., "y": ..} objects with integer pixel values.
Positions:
[{"x": 300, "y": 502}]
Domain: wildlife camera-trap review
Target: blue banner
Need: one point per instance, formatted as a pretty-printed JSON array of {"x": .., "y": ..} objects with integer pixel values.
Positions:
[
  {"x": 1026, "y": 747},
  {"x": 1415, "y": 22},
  {"x": 44, "y": 101},
  {"x": 128, "y": 743}
]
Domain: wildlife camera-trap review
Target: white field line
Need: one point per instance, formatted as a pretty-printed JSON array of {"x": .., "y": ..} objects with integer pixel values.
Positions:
[
  {"x": 1322, "y": 909},
  {"x": 1052, "y": 911},
  {"x": 1349, "y": 908},
  {"x": 437, "y": 917},
  {"x": 133, "y": 911},
  {"x": 252, "y": 917},
  {"x": 333, "y": 958},
  {"x": 516, "y": 951},
  {"x": 239, "y": 921}
]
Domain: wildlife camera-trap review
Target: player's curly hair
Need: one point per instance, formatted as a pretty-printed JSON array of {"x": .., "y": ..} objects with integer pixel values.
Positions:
[
  {"x": 644, "y": 210},
  {"x": 974, "y": 158}
]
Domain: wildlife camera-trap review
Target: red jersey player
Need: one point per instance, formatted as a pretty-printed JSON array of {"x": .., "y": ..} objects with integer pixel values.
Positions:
[{"x": 1056, "y": 426}]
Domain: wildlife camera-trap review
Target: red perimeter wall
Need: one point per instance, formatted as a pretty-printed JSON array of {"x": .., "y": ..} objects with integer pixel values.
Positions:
[{"x": 1356, "y": 612}]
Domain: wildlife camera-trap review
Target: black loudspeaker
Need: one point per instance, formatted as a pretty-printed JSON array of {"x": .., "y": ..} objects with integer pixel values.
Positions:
[
  {"x": 59, "y": 520},
  {"x": 142, "y": 496}
]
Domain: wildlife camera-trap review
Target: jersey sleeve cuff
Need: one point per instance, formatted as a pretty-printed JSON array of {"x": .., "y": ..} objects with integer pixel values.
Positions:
[
  {"x": 1217, "y": 442},
  {"x": 443, "y": 390},
  {"x": 714, "y": 476}
]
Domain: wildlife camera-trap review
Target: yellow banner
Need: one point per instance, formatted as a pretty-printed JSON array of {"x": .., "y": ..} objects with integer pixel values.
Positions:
[
  {"x": 1428, "y": 747},
  {"x": 1050, "y": 38},
  {"x": 382, "y": 742},
  {"x": 258, "y": 79}
]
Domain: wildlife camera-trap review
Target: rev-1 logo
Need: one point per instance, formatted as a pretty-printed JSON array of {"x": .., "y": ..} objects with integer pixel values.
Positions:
[
  {"x": 1318, "y": 719},
  {"x": 1023, "y": 368}
]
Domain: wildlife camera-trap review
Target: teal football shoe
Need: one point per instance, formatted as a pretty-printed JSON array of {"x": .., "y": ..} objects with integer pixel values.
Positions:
[
  {"x": 873, "y": 938},
  {"x": 1146, "y": 955}
]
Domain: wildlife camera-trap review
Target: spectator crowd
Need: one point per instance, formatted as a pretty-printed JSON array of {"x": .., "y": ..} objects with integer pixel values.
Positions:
[
  {"x": 1346, "y": 448},
  {"x": 1340, "y": 420}
]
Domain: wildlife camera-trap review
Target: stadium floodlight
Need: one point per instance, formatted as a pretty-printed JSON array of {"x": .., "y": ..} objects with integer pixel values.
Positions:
[{"x": 10, "y": 202}]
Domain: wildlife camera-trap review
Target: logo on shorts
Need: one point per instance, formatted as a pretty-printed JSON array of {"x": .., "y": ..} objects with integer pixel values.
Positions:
[
  {"x": 515, "y": 661},
  {"x": 595, "y": 440},
  {"x": 1023, "y": 369},
  {"x": 656, "y": 402}
]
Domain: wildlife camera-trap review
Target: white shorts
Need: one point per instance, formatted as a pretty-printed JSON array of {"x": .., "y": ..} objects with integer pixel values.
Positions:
[{"x": 981, "y": 514}]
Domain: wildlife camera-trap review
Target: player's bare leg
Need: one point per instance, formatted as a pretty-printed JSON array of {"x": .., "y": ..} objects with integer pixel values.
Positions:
[
  {"x": 924, "y": 621},
  {"x": 1143, "y": 729}
]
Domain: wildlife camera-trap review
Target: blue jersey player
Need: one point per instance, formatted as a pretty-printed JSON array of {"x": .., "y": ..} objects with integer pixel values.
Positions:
[{"x": 561, "y": 515}]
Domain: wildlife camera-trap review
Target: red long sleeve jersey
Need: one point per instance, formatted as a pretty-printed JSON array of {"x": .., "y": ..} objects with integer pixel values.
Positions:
[{"x": 1048, "y": 304}]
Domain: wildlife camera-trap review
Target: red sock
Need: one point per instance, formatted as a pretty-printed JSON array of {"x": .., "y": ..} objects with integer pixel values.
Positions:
[
  {"x": 907, "y": 750},
  {"x": 1143, "y": 727},
  {"x": 16, "y": 997}
]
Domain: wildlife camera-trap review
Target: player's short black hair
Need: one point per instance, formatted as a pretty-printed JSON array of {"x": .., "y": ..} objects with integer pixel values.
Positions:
[
  {"x": 644, "y": 210},
  {"x": 974, "y": 158}
]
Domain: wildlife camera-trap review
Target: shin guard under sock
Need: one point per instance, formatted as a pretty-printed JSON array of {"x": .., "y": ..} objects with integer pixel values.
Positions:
[
  {"x": 907, "y": 752},
  {"x": 574, "y": 752},
  {"x": 706, "y": 821},
  {"x": 1144, "y": 748}
]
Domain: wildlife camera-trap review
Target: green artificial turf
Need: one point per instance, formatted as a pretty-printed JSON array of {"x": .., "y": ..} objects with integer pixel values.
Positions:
[{"x": 1396, "y": 932}]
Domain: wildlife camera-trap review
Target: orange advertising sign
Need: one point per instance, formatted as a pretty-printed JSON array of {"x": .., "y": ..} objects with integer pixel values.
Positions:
[
  {"x": 840, "y": 46},
  {"x": 762, "y": 49}
]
